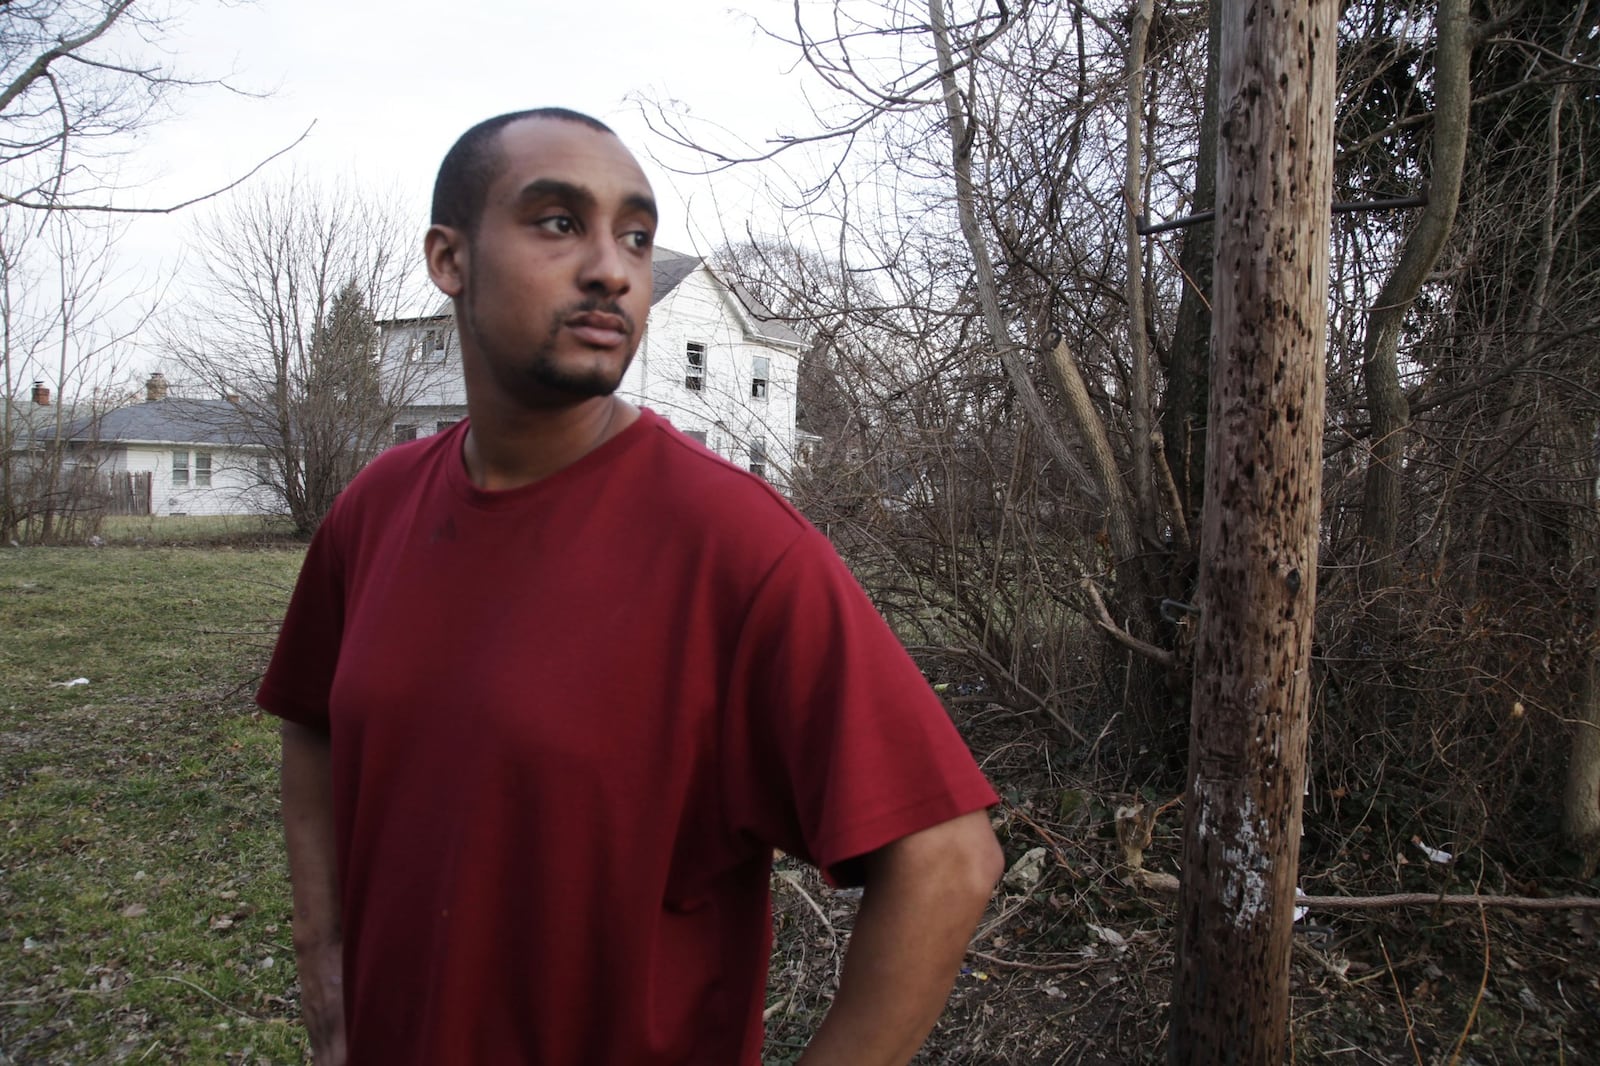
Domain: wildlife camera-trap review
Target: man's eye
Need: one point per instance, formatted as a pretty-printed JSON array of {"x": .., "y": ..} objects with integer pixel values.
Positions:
[
  {"x": 638, "y": 240},
  {"x": 557, "y": 224}
]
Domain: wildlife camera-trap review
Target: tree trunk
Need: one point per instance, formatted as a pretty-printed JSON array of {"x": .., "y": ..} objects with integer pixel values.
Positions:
[
  {"x": 1380, "y": 508},
  {"x": 1258, "y": 571},
  {"x": 1581, "y": 806},
  {"x": 961, "y": 140},
  {"x": 1138, "y": 341},
  {"x": 1189, "y": 363}
]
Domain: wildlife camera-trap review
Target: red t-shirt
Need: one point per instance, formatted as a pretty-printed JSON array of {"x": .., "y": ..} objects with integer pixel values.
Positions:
[{"x": 569, "y": 723}]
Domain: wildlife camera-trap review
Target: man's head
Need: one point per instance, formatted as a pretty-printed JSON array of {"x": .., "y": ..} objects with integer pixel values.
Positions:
[
  {"x": 542, "y": 235},
  {"x": 474, "y": 160}
]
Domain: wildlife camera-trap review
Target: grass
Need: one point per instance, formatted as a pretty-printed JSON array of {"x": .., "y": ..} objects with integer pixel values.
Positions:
[
  {"x": 146, "y": 913},
  {"x": 193, "y": 530}
]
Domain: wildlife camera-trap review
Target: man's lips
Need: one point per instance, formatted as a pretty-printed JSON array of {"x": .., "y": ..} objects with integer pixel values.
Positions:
[{"x": 599, "y": 329}]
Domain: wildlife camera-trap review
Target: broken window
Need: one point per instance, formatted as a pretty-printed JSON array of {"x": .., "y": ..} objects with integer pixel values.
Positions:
[
  {"x": 758, "y": 378},
  {"x": 694, "y": 366}
]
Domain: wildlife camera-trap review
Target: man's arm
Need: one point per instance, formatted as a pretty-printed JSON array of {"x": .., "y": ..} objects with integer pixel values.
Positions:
[
  {"x": 924, "y": 896},
  {"x": 314, "y": 877}
]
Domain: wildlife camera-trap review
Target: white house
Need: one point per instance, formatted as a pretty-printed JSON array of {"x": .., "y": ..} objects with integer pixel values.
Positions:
[
  {"x": 713, "y": 361},
  {"x": 193, "y": 457}
]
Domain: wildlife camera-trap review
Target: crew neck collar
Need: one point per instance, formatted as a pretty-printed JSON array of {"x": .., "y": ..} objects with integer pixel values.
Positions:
[{"x": 496, "y": 499}]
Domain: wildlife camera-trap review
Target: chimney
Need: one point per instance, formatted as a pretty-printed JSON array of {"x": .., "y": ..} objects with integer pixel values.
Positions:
[
  {"x": 41, "y": 394},
  {"x": 156, "y": 388}
]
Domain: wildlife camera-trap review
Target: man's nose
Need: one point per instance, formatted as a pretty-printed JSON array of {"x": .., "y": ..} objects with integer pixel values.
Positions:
[{"x": 603, "y": 267}]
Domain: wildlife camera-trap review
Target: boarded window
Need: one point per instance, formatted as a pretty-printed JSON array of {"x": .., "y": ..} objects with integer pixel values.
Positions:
[
  {"x": 758, "y": 378},
  {"x": 202, "y": 470},
  {"x": 694, "y": 366},
  {"x": 180, "y": 468}
]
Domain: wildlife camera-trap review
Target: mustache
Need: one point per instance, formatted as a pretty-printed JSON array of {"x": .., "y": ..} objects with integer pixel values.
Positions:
[{"x": 595, "y": 305}]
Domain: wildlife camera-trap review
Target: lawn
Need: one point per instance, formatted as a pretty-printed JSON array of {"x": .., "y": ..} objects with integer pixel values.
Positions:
[{"x": 146, "y": 913}]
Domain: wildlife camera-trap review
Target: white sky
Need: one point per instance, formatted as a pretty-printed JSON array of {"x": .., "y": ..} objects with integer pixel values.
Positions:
[{"x": 391, "y": 84}]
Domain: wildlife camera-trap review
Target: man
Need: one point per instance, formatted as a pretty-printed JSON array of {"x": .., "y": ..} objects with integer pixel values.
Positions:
[{"x": 554, "y": 684}]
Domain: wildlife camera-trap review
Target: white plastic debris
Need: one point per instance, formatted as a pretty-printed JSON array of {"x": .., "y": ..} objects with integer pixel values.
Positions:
[
  {"x": 1300, "y": 912},
  {"x": 70, "y": 684},
  {"x": 1433, "y": 854},
  {"x": 1026, "y": 871},
  {"x": 1110, "y": 937}
]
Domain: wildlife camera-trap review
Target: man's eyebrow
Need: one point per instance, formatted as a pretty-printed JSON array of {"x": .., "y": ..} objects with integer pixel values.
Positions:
[
  {"x": 556, "y": 189},
  {"x": 642, "y": 204},
  {"x": 579, "y": 196}
]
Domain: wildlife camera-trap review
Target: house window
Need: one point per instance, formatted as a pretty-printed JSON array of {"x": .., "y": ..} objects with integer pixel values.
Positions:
[
  {"x": 404, "y": 433},
  {"x": 202, "y": 470},
  {"x": 758, "y": 378},
  {"x": 263, "y": 468},
  {"x": 758, "y": 456},
  {"x": 440, "y": 427},
  {"x": 432, "y": 344},
  {"x": 694, "y": 366},
  {"x": 180, "y": 468},
  {"x": 698, "y": 435}
]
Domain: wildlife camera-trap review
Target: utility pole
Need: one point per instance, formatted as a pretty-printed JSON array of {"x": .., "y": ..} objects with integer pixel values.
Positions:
[{"x": 1258, "y": 556}]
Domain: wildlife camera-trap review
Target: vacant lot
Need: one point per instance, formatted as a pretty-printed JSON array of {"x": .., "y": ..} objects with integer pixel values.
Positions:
[
  {"x": 146, "y": 917},
  {"x": 144, "y": 914}
]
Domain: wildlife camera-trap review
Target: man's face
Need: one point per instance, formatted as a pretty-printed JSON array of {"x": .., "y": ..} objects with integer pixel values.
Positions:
[{"x": 555, "y": 284}]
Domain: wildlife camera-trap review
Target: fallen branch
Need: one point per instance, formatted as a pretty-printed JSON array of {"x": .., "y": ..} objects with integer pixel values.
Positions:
[
  {"x": 1034, "y": 967},
  {"x": 1120, "y": 635},
  {"x": 1168, "y": 885}
]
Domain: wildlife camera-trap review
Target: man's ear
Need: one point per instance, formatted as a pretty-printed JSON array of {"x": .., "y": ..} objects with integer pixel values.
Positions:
[{"x": 445, "y": 249}]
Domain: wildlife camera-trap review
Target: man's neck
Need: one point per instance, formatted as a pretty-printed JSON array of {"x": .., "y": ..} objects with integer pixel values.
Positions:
[{"x": 505, "y": 450}]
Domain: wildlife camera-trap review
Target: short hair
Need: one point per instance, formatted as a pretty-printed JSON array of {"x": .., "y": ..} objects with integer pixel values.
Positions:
[{"x": 473, "y": 162}]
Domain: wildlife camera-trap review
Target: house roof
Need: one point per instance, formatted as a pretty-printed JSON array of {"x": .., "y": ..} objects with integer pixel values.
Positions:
[
  {"x": 27, "y": 420},
  {"x": 670, "y": 268},
  {"x": 174, "y": 420}
]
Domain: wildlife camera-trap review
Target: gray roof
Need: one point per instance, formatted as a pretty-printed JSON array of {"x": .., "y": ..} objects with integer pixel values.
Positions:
[
  {"x": 670, "y": 268},
  {"x": 174, "y": 420},
  {"x": 28, "y": 420},
  {"x": 768, "y": 326}
]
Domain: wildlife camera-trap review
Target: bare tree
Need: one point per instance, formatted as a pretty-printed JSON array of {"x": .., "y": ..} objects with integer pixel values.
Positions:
[
  {"x": 64, "y": 335},
  {"x": 1385, "y": 399},
  {"x": 77, "y": 79},
  {"x": 294, "y": 277},
  {"x": 1259, "y": 535}
]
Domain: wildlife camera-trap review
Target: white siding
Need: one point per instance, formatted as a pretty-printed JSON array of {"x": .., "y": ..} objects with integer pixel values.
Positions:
[
  {"x": 235, "y": 489},
  {"x": 700, "y": 310}
]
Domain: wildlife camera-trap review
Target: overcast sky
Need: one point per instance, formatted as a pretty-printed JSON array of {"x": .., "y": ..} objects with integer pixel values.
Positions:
[{"x": 390, "y": 85}]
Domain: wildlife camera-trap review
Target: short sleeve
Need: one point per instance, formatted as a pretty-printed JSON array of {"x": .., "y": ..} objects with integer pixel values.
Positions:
[
  {"x": 300, "y": 676},
  {"x": 834, "y": 744}
]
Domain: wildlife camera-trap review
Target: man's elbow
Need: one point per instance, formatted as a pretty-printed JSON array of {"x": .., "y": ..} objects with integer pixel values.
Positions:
[
  {"x": 986, "y": 860},
  {"x": 961, "y": 858}
]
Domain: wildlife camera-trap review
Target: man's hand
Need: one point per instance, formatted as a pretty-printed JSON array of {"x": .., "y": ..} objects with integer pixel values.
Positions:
[
  {"x": 314, "y": 875},
  {"x": 925, "y": 894}
]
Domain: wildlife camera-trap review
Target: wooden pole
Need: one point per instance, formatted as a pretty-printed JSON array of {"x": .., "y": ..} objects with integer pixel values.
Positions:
[{"x": 1258, "y": 567}]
